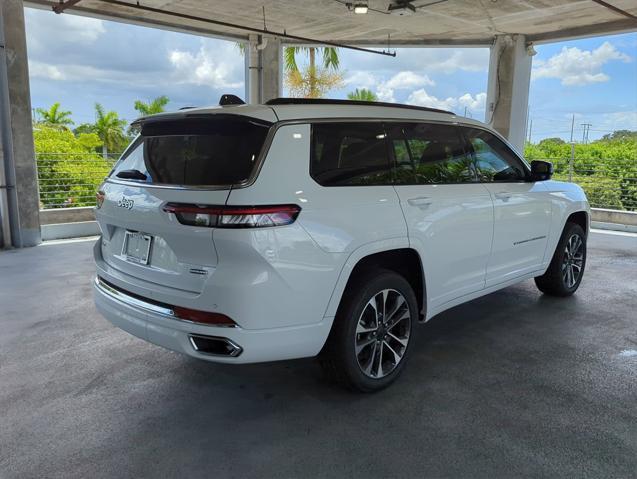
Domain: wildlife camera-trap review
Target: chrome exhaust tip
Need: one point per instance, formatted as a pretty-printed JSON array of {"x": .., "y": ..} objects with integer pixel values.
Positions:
[{"x": 214, "y": 345}]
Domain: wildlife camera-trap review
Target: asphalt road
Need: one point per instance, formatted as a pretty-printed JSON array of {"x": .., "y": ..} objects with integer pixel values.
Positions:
[{"x": 512, "y": 384}]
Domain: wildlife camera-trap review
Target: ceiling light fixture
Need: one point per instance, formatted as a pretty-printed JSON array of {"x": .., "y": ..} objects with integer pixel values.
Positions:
[{"x": 361, "y": 8}]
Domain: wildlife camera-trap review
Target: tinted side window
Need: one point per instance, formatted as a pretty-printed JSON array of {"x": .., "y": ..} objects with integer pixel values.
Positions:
[
  {"x": 430, "y": 154},
  {"x": 349, "y": 154},
  {"x": 494, "y": 160}
]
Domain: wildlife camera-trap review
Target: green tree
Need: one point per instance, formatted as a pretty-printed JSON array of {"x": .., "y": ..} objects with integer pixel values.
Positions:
[
  {"x": 54, "y": 117},
  {"x": 362, "y": 95},
  {"x": 110, "y": 129},
  {"x": 620, "y": 135},
  {"x": 150, "y": 108},
  {"x": 312, "y": 81},
  {"x": 551, "y": 141},
  {"x": 69, "y": 169},
  {"x": 84, "y": 128}
]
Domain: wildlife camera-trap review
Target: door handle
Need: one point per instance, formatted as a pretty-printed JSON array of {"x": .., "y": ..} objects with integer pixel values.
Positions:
[
  {"x": 419, "y": 201},
  {"x": 503, "y": 195}
]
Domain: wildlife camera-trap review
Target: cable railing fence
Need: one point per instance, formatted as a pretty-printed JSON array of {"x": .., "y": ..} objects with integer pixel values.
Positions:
[
  {"x": 71, "y": 179},
  {"x": 610, "y": 184}
]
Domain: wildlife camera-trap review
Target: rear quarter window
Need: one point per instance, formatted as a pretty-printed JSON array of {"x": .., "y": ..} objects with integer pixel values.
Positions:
[
  {"x": 350, "y": 154},
  {"x": 194, "y": 152}
]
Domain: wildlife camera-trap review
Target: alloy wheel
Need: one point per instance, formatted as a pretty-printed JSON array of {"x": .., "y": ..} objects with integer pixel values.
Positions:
[
  {"x": 382, "y": 333},
  {"x": 573, "y": 262}
]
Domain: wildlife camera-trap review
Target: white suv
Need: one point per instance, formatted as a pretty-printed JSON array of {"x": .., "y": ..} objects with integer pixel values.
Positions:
[{"x": 241, "y": 234}]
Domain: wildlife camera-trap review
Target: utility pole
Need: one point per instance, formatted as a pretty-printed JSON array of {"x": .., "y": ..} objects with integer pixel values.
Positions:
[
  {"x": 587, "y": 127},
  {"x": 530, "y": 128},
  {"x": 571, "y": 160}
]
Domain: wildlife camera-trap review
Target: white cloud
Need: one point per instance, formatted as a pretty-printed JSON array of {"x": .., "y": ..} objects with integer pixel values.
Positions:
[
  {"x": 361, "y": 79},
  {"x": 473, "y": 103},
  {"x": 44, "y": 70},
  {"x": 573, "y": 66},
  {"x": 205, "y": 67},
  {"x": 385, "y": 89},
  {"x": 619, "y": 120},
  {"x": 65, "y": 29},
  {"x": 84, "y": 73},
  {"x": 467, "y": 59},
  {"x": 408, "y": 79},
  {"x": 423, "y": 98}
]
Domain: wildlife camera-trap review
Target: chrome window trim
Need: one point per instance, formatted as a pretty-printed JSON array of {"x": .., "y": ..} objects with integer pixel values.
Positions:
[{"x": 274, "y": 127}]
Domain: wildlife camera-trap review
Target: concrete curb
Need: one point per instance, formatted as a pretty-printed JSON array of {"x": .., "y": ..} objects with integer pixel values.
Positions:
[
  {"x": 613, "y": 227},
  {"x": 69, "y": 230},
  {"x": 56, "y": 216},
  {"x": 620, "y": 218}
]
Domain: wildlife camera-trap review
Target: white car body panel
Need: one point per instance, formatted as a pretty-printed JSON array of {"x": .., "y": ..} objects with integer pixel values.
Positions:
[
  {"x": 451, "y": 228},
  {"x": 522, "y": 215},
  {"x": 283, "y": 285}
]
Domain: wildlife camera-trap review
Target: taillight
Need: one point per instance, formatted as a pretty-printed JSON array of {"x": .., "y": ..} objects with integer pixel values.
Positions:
[
  {"x": 234, "y": 216},
  {"x": 99, "y": 198}
]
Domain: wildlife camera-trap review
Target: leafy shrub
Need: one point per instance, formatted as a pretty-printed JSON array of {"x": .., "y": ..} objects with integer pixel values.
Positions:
[
  {"x": 69, "y": 170},
  {"x": 606, "y": 169}
]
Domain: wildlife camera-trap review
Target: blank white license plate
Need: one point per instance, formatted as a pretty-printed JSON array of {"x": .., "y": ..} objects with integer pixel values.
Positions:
[{"x": 137, "y": 247}]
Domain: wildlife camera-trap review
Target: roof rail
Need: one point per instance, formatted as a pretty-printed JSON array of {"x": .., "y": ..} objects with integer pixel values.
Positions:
[{"x": 327, "y": 101}]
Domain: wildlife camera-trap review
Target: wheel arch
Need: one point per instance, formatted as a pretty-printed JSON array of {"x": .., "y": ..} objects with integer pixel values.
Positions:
[
  {"x": 579, "y": 218},
  {"x": 402, "y": 259}
]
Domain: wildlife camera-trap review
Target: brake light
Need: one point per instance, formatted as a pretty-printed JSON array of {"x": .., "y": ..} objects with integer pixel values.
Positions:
[
  {"x": 234, "y": 216},
  {"x": 99, "y": 198},
  {"x": 203, "y": 317}
]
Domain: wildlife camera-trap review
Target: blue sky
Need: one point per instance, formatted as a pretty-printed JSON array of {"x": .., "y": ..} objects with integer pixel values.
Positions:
[{"x": 79, "y": 61}]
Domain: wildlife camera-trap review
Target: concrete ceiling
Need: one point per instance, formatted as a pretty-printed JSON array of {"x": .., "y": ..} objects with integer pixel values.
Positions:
[{"x": 451, "y": 22}]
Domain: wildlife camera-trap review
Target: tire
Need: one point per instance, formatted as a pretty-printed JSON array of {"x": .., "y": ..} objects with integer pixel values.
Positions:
[
  {"x": 357, "y": 328},
  {"x": 562, "y": 277}
]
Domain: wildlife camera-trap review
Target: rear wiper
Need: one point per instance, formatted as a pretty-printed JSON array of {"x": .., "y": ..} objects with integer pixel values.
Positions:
[{"x": 132, "y": 175}]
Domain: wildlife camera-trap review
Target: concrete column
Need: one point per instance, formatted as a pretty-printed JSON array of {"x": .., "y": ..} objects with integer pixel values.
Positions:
[
  {"x": 263, "y": 69},
  {"x": 17, "y": 160},
  {"x": 272, "y": 70},
  {"x": 508, "y": 88},
  {"x": 253, "y": 66}
]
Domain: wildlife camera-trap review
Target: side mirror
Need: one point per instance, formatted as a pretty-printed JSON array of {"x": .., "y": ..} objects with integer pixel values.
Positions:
[{"x": 541, "y": 170}]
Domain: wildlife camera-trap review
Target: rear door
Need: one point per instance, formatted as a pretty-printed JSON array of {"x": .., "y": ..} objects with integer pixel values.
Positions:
[
  {"x": 449, "y": 214},
  {"x": 187, "y": 162},
  {"x": 522, "y": 208}
]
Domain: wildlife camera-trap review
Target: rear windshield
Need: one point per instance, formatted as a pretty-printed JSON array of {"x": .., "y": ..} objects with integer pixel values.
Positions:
[{"x": 194, "y": 152}]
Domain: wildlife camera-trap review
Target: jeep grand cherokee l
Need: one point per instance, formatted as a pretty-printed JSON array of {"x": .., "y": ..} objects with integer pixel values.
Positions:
[{"x": 299, "y": 228}]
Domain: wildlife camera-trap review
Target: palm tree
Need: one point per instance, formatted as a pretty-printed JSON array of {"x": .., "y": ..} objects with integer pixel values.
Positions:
[
  {"x": 109, "y": 127},
  {"x": 54, "y": 116},
  {"x": 150, "y": 108},
  {"x": 362, "y": 95},
  {"x": 314, "y": 81}
]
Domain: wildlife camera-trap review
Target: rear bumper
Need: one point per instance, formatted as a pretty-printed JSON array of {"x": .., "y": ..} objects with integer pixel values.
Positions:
[{"x": 154, "y": 324}]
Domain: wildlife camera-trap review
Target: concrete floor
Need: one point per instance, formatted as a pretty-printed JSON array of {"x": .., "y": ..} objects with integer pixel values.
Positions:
[{"x": 513, "y": 384}]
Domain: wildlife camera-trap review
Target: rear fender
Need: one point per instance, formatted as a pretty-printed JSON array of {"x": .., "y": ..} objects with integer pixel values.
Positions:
[{"x": 351, "y": 262}]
